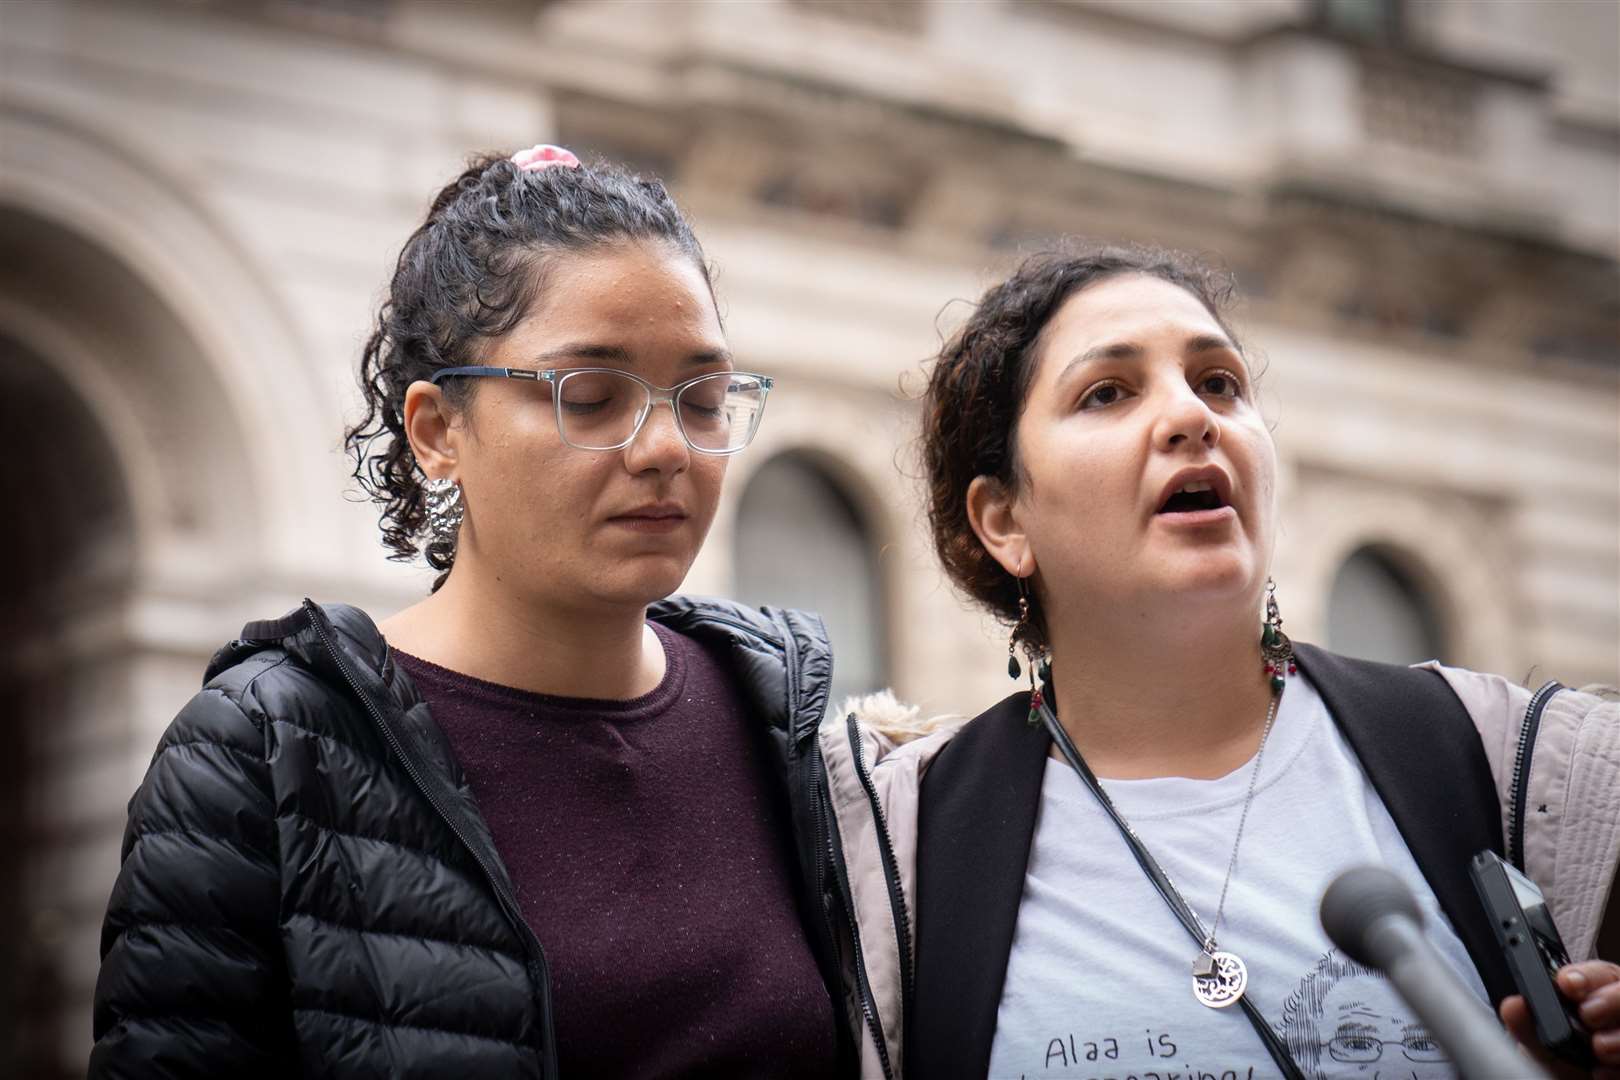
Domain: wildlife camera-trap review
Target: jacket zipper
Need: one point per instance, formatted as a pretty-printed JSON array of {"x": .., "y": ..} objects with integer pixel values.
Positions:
[
  {"x": 508, "y": 903},
  {"x": 891, "y": 867},
  {"x": 1521, "y": 772},
  {"x": 823, "y": 840},
  {"x": 868, "y": 1003},
  {"x": 816, "y": 788}
]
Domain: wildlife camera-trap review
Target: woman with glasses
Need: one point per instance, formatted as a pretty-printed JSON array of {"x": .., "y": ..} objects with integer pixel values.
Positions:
[{"x": 543, "y": 822}]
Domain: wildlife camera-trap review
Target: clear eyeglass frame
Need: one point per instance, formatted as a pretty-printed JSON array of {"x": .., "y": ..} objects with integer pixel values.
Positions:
[{"x": 655, "y": 395}]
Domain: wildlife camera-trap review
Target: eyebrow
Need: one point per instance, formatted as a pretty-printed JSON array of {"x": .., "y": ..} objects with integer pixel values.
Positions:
[
  {"x": 618, "y": 354},
  {"x": 1127, "y": 350}
]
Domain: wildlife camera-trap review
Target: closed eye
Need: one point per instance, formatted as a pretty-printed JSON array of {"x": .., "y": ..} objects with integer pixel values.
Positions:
[{"x": 584, "y": 408}]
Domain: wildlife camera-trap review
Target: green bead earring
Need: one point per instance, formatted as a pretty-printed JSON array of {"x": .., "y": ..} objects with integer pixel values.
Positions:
[
  {"x": 1275, "y": 648},
  {"x": 1040, "y": 677}
]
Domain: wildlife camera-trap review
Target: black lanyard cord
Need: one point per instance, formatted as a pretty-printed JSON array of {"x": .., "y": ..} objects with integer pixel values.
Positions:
[{"x": 1161, "y": 881}]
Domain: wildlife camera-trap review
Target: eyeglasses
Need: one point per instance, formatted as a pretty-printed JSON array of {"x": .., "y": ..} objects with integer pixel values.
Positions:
[
  {"x": 604, "y": 408},
  {"x": 1417, "y": 1046}
]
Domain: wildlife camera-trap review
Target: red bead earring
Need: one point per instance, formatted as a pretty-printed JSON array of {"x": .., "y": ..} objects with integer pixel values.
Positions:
[{"x": 1275, "y": 648}]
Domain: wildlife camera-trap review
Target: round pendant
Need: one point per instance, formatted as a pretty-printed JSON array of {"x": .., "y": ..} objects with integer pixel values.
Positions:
[{"x": 1224, "y": 985}]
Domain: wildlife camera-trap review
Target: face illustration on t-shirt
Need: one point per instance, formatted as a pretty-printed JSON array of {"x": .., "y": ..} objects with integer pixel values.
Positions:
[{"x": 1345, "y": 1021}]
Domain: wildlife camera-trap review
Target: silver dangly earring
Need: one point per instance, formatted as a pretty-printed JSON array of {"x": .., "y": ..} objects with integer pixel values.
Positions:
[
  {"x": 1275, "y": 648},
  {"x": 444, "y": 508}
]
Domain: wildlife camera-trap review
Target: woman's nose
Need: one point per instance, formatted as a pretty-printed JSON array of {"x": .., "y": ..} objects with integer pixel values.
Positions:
[
  {"x": 1184, "y": 417},
  {"x": 659, "y": 445}
]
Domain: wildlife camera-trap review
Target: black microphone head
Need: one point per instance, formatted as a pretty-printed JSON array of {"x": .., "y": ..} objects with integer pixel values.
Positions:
[{"x": 1356, "y": 900}]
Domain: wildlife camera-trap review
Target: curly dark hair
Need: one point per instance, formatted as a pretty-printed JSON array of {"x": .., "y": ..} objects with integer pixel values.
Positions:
[
  {"x": 467, "y": 275},
  {"x": 978, "y": 383}
]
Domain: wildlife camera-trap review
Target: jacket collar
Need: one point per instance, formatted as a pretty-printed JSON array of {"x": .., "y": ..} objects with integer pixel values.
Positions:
[{"x": 781, "y": 657}]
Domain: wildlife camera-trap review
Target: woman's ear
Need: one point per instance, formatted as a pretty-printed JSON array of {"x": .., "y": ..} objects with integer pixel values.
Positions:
[
  {"x": 992, "y": 512},
  {"x": 434, "y": 439}
]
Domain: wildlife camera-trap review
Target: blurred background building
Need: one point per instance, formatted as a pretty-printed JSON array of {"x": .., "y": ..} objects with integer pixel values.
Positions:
[{"x": 200, "y": 202}]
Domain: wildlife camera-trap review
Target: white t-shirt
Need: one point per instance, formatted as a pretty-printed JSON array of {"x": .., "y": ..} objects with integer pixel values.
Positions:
[{"x": 1099, "y": 980}]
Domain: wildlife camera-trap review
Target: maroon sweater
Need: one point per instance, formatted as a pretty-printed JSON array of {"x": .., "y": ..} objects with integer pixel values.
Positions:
[{"x": 649, "y": 854}]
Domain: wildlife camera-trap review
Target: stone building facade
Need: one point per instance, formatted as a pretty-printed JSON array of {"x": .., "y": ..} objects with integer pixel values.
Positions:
[{"x": 200, "y": 200}]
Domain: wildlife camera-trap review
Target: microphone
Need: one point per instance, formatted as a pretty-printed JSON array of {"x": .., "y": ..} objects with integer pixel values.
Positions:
[{"x": 1375, "y": 920}]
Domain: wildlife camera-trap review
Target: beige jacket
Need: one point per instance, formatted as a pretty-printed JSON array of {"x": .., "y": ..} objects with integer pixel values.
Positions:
[{"x": 1571, "y": 832}]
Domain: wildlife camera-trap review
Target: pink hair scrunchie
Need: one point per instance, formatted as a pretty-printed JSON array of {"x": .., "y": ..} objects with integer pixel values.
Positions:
[{"x": 544, "y": 156}]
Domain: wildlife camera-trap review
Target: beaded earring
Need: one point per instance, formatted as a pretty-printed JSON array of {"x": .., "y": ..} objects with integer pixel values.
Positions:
[
  {"x": 1013, "y": 668},
  {"x": 1038, "y": 658},
  {"x": 1275, "y": 648},
  {"x": 1040, "y": 677}
]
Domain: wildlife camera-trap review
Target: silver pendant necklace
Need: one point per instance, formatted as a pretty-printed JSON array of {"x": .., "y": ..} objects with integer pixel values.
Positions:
[{"x": 1219, "y": 978}]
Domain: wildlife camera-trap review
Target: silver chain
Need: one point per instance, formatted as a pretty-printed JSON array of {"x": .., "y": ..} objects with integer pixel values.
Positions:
[{"x": 1243, "y": 819}]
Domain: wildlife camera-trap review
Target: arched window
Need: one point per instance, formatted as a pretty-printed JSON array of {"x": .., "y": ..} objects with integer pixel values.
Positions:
[
  {"x": 802, "y": 543},
  {"x": 1378, "y": 612}
]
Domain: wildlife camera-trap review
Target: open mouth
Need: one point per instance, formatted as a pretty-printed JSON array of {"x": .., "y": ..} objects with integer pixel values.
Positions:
[{"x": 1193, "y": 497}]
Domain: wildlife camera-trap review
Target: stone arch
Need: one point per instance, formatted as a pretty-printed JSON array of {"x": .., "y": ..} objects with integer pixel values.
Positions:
[
  {"x": 836, "y": 431},
  {"x": 1382, "y": 607},
  {"x": 840, "y": 435},
  {"x": 78, "y": 200},
  {"x": 835, "y": 434},
  {"x": 1456, "y": 546},
  {"x": 67, "y": 551},
  {"x": 802, "y": 540},
  {"x": 165, "y": 399}
]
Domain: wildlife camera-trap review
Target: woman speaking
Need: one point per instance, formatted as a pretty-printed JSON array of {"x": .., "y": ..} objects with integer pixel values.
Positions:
[{"x": 1117, "y": 872}]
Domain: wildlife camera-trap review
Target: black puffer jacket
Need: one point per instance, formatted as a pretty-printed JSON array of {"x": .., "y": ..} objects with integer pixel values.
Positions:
[{"x": 308, "y": 888}]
